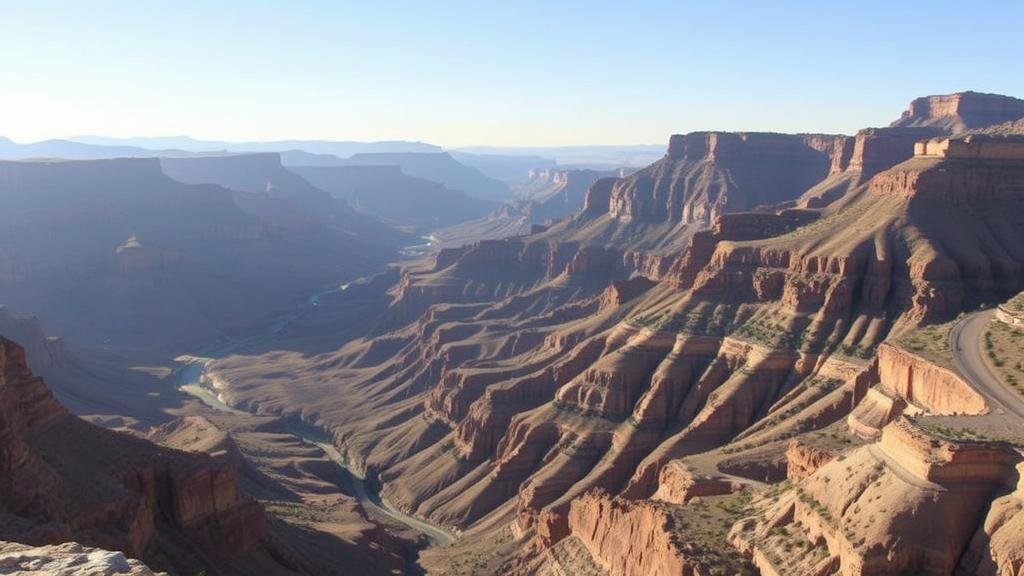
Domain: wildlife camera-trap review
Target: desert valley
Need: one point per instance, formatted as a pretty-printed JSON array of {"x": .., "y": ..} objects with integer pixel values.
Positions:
[
  {"x": 758, "y": 353},
  {"x": 511, "y": 289}
]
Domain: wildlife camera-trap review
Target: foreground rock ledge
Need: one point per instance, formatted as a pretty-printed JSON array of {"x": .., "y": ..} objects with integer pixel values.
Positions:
[{"x": 68, "y": 559}]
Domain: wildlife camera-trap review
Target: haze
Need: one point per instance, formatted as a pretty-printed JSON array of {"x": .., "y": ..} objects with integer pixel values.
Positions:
[
  {"x": 455, "y": 74},
  {"x": 512, "y": 289}
]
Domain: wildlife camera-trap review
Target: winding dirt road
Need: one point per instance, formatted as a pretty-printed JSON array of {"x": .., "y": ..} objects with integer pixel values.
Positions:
[{"x": 965, "y": 344}]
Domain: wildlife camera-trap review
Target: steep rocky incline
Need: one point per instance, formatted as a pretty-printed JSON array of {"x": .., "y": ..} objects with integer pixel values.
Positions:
[
  {"x": 962, "y": 111},
  {"x": 869, "y": 152},
  {"x": 548, "y": 196},
  {"x": 64, "y": 479},
  {"x": 43, "y": 351},
  {"x": 102, "y": 250},
  {"x": 663, "y": 346},
  {"x": 705, "y": 174},
  {"x": 387, "y": 192},
  {"x": 911, "y": 502}
]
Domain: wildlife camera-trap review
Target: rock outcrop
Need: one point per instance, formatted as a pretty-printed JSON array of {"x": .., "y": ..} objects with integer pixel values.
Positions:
[
  {"x": 676, "y": 321},
  {"x": 706, "y": 174},
  {"x": 937, "y": 389},
  {"x": 42, "y": 351},
  {"x": 69, "y": 559},
  {"x": 64, "y": 479},
  {"x": 1011, "y": 312},
  {"x": 802, "y": 460},
  {"x": 626, "y": 538},
  {"x": 678, "y": 484},
  {"x": 961, "y": 111},
  {"x": 998, "y": 546},
  {"x": 862, "y": 510}
]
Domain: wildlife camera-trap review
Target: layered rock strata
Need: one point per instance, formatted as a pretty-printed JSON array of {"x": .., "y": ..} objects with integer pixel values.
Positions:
[{"x": 66, "y": 479}]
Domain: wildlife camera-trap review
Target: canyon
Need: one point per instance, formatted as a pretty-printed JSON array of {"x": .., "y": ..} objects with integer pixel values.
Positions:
[
  {"x": 741, "y": 358},
  {"x": 660, "y": 351},
  {"x": 169, "y": 508}
]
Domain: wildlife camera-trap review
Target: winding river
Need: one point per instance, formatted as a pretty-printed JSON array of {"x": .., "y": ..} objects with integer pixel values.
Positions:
[{"x": 190, "y": 378}]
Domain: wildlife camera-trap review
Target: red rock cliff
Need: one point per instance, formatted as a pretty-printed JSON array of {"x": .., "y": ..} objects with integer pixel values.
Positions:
[
  {"x": 66, "y": 479},
  {"x": 961, "y": 111},
  {"x": 627, "y": 538},
  {"x": 705, "y": 174}
]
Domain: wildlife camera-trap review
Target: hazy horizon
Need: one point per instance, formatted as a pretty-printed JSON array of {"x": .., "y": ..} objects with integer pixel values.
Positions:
[{"x": 454, "y": 75}]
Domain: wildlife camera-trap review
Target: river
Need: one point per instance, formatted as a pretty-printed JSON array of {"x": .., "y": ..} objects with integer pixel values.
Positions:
[{"x": 190, "y": 378}]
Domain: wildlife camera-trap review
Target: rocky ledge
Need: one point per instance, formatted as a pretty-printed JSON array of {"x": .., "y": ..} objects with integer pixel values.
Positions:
[
  {"x": 68, "y": 559},
  {"x": 62, "y": 479}
]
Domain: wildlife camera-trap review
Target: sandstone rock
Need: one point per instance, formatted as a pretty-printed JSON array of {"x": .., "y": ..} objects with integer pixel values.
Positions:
[
  {"x": 628, "y": 539},
  {"x": 70, "y": 559},
  {"x": 961, "y": 111},
  {"x": 515, "y": 391},
  {"x": 910, "y": 502},
  {"x": 939, "y": 390},
  {"x": 64, "y": 478},
  {"x": 678, "y": 485},
  {"x": 997, "y": 548},
  {"x": 705, "y": 174},
  {"x": 803, "y": 460}
]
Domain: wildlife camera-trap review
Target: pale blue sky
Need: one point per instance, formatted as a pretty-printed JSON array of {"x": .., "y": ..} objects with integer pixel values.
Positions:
[{"x": 477, "y": 72}]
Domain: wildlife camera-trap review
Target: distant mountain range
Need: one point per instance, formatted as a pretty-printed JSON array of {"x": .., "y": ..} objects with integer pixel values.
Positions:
[
  {"x": 610, "y": 156},
  {"x": 485, "y": 172},
  {"x": 339, "y": 148}
]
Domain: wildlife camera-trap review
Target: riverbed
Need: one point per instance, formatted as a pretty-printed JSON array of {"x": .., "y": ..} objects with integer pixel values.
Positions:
[{"x": 191, "y": 378}]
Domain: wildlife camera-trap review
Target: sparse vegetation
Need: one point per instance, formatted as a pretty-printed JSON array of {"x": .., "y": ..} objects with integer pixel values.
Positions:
[
  {"x": 930, "y": 343},
  {"x": 1004, "y": 346},
  {"x": 703, "y": 525}
]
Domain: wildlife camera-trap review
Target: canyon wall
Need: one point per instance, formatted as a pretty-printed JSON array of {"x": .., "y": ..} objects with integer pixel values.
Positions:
[
  {"x": 628, "y": 539},
  {"x": 961, "y": 111},
  {"x": 667, "y": 350},
  {"x": 863, "y": 508},
  {"x": 938, "y": 390},
  {"x": 66, "y": 479},
  {"x": 705, "y": 174}
]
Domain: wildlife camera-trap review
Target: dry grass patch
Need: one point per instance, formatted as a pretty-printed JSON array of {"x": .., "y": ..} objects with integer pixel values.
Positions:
[
  {"x": 930, "y": 343},
  {"x": 1004, "y": 346}
]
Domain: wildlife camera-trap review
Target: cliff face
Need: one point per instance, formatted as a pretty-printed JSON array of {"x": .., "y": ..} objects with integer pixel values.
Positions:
[
  {"x": 873, "y": 150},
  {"x": 962, "y": 111},
  {"x": 627, "y": 539},
  {"x": 860, "y": 510},
  {"x": 510, "y": 378},
  {"x": 938, "y": 390},
  {"x": 803, "y": 460},
  {"x": 43, "y": 351},
  {"x": 64, "y": 479},
  {"x": 996, "y": 548},
  {"x": 706, "y": 174},
  {"x": 883, "y": 254},
  {"x": 548, "y": 196},
  {"x": 549, "y": 384}
]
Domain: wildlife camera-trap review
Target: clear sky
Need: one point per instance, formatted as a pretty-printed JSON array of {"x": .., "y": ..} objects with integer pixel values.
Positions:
[{"x": 518, "y": 72}]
